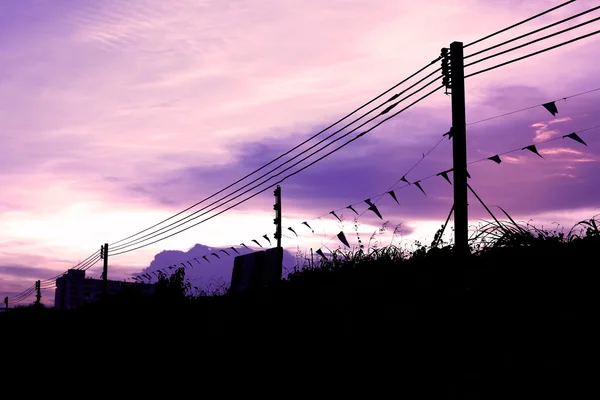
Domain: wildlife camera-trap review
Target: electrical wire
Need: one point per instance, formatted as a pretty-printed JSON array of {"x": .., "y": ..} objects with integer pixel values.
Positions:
[
  {"x": 532, "y": 54},
  {"x": 532, "y": 107},
  {"x": 532, "y": 42},
  {"x": 518, "y": 23},
  {"x": 531, "y": 33},
  {"x": 289, "y": 175},
  {"x": 287, "y": 152},
  {"x": 188, "y": 219}
]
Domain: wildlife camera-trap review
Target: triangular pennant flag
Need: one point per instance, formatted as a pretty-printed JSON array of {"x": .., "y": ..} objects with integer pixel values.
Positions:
[
  {"x": 352, "y": 208},
  {"x": 254, "y": 240},
  {"x": 190, "y": 264},
  {"x": 444, "y": 174},
  {"x": 306, "y": 223},
  {"x": 495, "y": 159},
  {"x": 576, "y": 138},
  {"x": 242, "y": 244},
  {"x": 205, "y": 258},
  {"x": 154, "y": 272},
  {"x": 171, "y": 267},
  {"x": 233, "y": 248},
  {"x": 343, "y": 239},
  {"x": 216, "y": 255},
  {"x": 320, "y": 252},
  {"x": 449, "y": 133},
  {"x": 335, "y": 215},
  {"x": 418, "y": 184},
  {"x": 533, "y": 149},
  {"x": 389, "y": 108},
  {"x": 369, "y": 202},
  {"x": 184, "y": 266},
  {"x": 468, "y": 175},
  {"x": 195, "y": 259},
  {"x": 266, "y": 237},
  {"x": 293, "y": 231},
  {"x": 373, "y": 208},
  {"x": 551, "y": 107},
  {"x": 224, "y": 252},
  {"x": 391, "y": 193},
  {"x": 404, "y": 179}
]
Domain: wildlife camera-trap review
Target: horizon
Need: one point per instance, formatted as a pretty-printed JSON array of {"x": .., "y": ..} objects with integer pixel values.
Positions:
[{"x": 118, "y": 116}]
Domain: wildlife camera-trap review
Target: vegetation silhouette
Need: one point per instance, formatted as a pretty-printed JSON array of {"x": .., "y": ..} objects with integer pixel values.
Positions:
[{"x": 519, "y": 305}]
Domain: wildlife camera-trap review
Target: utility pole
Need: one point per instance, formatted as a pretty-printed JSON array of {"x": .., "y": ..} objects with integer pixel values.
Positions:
[
  {"x": 277, "y": 221},
  {"x": 6, "y": 303},
  {"x": 38, "y": 295},
  {"x": 104, "y": 256},
  {"x": 454, "y": 79}
]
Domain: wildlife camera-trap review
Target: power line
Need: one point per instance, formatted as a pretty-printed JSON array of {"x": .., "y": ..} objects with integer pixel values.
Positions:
[
  {"x": 187, "y": 218},
  {"x": 518, "y": 23},
  {"x": 532, "y": 54},
  {"x": 532, "y": 107},
  {"x": 289, "y": 175},
  {"x": 287, "y": 152},
  {"x": 532, "y": 42},
  {"x": 532, "y": 32}
]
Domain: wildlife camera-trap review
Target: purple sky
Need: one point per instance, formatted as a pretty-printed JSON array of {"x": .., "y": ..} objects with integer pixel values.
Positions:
[{"x": 117, "y": 114}]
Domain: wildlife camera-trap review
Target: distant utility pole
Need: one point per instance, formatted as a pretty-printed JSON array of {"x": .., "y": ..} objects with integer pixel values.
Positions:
[
  {"x": 277, "y": 221},
  {"x": 38, "y": 295},
  {"x": 6, "y": 303},
  {"x": 104, "y": 256},
  {"x": 454, "y": 79}
]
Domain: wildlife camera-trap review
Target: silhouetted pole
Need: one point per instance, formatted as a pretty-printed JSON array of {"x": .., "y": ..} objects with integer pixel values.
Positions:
[
  {"x": 6, "y": 303},
  {"x": 104, "y": 255},
  {"x": 277, "y": 221},
  {"x": 38, "y": 295},
  {"x": 459, "y": 149}
]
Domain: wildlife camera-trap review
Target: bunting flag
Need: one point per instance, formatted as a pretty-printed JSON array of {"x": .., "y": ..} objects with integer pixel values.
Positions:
[
  {"x": 391, "y": 193},
  {"x": 154, "y": 272},
  {"x": 335, "y": 215},
  {"x": 495, "y": 159},
  {"x": 255, "y": 241},
  {"x": 444, "y": 174},
  {"x": 293, "y": 231},
  {"x": 533, "y": 149},
  {"x": 216, "y": 255},
  {"x": 369, "y": 202},
  {"x": 195, "y": 259},
  {"x": 205, "y": 258},
  {"x": 418, "y": 184},
  {"x": 352, "y": 208},
  {"x": 551, "y": 107},
  {"x": 404, "y": 179},
  {"x": 389, "y": 108},
  {"x": 224, "y": 252},
  {"x": 320, "y": 252},
  {"x": 266, "y": 237},
  {"x": 373, "y": 208},
  {"x": 468, "y": 175},
  {"x": 191, "y": 266},
  {"x": 233, "y": 248},
  {"x": 242, "y": 244},
  {"x": 171, "y": 267},
  {"x": 449, "y": 134},
  {"x": 306, "y": 223},
  {"x": 575, "y": 137},
  {"x": 343, "y": 239}
]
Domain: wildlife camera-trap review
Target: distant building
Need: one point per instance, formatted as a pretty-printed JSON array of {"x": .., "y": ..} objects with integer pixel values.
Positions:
[{"x": 74, "y": 289}]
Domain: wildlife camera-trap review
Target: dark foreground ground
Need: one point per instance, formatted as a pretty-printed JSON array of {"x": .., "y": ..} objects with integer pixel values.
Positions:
[{"x": 514, "y": 322}]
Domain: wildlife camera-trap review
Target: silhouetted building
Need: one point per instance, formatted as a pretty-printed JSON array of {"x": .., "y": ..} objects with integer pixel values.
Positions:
[{"x": 74, "y": 289}]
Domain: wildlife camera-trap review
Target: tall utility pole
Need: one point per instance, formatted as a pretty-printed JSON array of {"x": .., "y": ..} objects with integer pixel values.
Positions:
[
  {"x": 454, "y": 79},
  {"x": 104, "y": 256},
  {"x": 6, "y": 303},
  {"x": 277, "y": 221},
  {"x": 38, "y": 295}
]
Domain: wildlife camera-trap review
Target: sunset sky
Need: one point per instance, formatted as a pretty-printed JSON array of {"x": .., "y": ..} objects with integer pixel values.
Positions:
[{"x": 117, "y": 114}]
